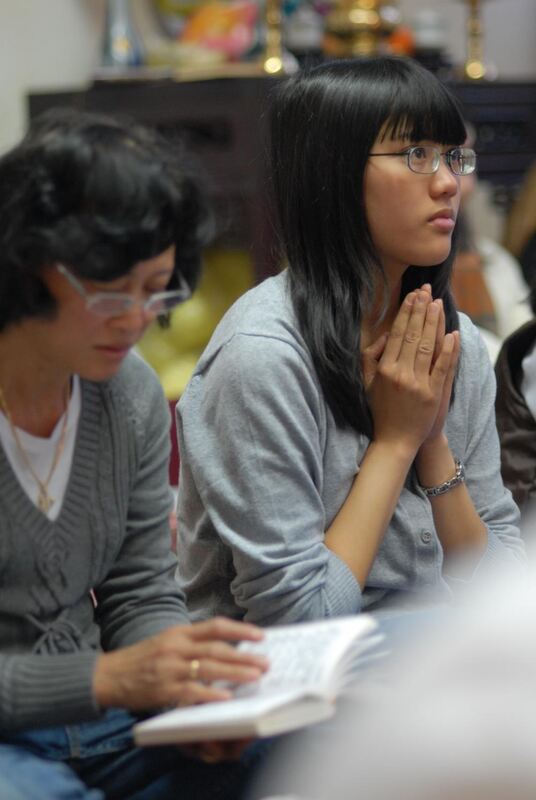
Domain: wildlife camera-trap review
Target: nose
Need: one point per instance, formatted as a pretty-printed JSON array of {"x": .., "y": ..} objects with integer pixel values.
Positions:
[
  {"x": 135, "y": 320},
  {"x": 444, "y": 181}
]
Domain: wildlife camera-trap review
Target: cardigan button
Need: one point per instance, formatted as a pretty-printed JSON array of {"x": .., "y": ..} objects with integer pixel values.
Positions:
[{"x": 426, "y": 537}]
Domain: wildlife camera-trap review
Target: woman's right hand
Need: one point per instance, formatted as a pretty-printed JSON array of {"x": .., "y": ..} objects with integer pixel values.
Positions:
[
  {"x": 177, "y": 666},
  {"x": 406, "y": 392}
]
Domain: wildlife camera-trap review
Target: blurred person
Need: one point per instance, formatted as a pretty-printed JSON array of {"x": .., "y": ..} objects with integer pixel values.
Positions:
[
  {"x": 520, "y": 228},
  {"x": 455, "y": 721},
  {"x": 100, "y": 233},
  {"x": 487, "y": 281},
  {"x": 327, "y": 465}
]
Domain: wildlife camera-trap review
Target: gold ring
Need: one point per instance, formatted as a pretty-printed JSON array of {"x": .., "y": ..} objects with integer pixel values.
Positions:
[{"x": 195, "y": 666}]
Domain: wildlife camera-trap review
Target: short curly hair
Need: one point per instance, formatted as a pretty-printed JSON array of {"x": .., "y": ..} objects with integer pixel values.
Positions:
[{"x": 97, "y": 193}]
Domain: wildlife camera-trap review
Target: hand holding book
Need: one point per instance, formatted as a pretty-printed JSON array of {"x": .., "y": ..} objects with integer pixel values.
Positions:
[{"x": 311, "y": 663}]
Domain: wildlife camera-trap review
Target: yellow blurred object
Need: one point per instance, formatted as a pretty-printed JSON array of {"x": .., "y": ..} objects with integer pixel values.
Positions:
[
  {"x": 192, "y": 323},
  {"x": 177, "y": 373},
  {"x": 227, "y": 274},
  {"x": 183, "y": 55},
  {"x": 173, "y": 352},
  {"x": 360, "y": 26},
  {"x": 156, "y": 349},
  {"x": 179, "y": 7}
]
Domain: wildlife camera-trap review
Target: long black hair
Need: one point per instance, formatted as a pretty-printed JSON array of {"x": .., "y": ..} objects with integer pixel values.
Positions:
[
  {"x": 324, "y": 123},
  {"x": 99, "y": 194}
]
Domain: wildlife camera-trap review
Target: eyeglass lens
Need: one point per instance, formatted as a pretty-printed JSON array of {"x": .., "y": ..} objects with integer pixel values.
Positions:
[
  {"x": 114, "y": 306},
  {"x": 461, "y": 160}
]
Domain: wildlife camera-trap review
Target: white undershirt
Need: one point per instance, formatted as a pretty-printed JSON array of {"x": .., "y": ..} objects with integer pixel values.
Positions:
[
  {"x": 40, "y": 453},
  {"x": 528, "y": 383}
]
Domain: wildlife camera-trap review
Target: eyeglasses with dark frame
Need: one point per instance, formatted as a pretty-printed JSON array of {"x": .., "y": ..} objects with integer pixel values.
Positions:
[
  {"x": 425, "y": 159},
  {"x": 113, "y": 304}
]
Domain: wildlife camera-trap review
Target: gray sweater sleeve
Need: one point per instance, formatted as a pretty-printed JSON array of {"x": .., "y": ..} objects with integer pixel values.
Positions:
[
  {"x": 252, "y": 430},
  {"x": 40, "y": 690}
]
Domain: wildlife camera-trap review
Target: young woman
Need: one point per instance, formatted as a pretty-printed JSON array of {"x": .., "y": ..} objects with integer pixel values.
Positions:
[
  {"x": 100, "y": 229},
  {"x": 337, "y": 439}
]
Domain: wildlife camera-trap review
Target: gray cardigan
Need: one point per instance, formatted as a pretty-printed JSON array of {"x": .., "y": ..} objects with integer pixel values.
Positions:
[
  {"x": 112, "y": 536},
  {"x": 264, "y": 470}
]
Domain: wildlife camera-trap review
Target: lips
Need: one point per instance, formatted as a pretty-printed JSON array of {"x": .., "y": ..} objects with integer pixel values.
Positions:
[
  {"x": 445, "y": 213},
  {"x": 443, "y": 220},
  {"x": 119, "y": 351}
]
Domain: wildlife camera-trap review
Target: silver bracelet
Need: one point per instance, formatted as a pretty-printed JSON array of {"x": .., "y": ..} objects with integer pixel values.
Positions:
[{"x": 446, "y": 486}]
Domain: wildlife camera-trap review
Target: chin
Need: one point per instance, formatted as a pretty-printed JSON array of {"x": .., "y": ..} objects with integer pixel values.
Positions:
[
  {"x": 100, "y": 373},
  {"x": 432, "y": 258}
]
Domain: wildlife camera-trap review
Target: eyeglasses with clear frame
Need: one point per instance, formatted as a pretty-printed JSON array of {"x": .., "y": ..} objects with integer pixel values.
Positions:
[
  {"x": 114, "y": 304},
  {"x": 425, "y": 159}
]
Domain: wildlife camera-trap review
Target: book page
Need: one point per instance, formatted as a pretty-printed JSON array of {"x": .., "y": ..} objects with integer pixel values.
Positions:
[{"x": 306, "y": 655}]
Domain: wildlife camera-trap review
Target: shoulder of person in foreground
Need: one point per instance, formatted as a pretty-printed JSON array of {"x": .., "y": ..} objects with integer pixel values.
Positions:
[{"x": 457, "y": 683}]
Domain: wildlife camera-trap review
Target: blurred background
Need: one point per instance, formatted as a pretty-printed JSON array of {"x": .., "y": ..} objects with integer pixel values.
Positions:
[
  {"x": 53, "y": 44},
  {"x": 200, "y": 71}
]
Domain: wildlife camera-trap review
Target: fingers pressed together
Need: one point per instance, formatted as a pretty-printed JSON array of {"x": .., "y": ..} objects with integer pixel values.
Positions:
[{"x": 413, "y": 377}]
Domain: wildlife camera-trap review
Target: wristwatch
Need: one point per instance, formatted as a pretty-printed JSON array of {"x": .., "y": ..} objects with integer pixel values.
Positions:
[{"x": 446, "y": 486}]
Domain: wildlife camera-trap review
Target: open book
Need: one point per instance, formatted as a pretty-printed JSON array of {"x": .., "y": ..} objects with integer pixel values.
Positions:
[{"x": 311, "y": 663}]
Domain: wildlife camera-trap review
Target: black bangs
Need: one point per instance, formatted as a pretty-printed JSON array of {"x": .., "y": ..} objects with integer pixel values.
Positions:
[
  {"x": 387, "y": 97},
  {"x": 423, "y": 110}
]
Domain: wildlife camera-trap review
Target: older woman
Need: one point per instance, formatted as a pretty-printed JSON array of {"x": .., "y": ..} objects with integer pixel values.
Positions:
[{"x": 100, "y": 230}]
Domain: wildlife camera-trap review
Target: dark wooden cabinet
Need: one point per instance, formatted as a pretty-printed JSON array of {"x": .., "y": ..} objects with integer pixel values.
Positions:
[
  {"x": 504, "y": 116},
  {"x": 222, "y": 123}
]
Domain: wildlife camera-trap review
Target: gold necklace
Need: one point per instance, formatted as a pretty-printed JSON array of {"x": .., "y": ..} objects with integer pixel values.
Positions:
[{"x": 44, "y": 500}]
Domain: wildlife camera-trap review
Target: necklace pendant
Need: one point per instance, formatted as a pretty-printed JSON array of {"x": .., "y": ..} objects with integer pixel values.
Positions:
[{"x": 44, "y": 501}]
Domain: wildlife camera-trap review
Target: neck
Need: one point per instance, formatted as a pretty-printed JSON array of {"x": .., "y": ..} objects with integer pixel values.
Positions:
[{"x": 35, "y": 392}]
